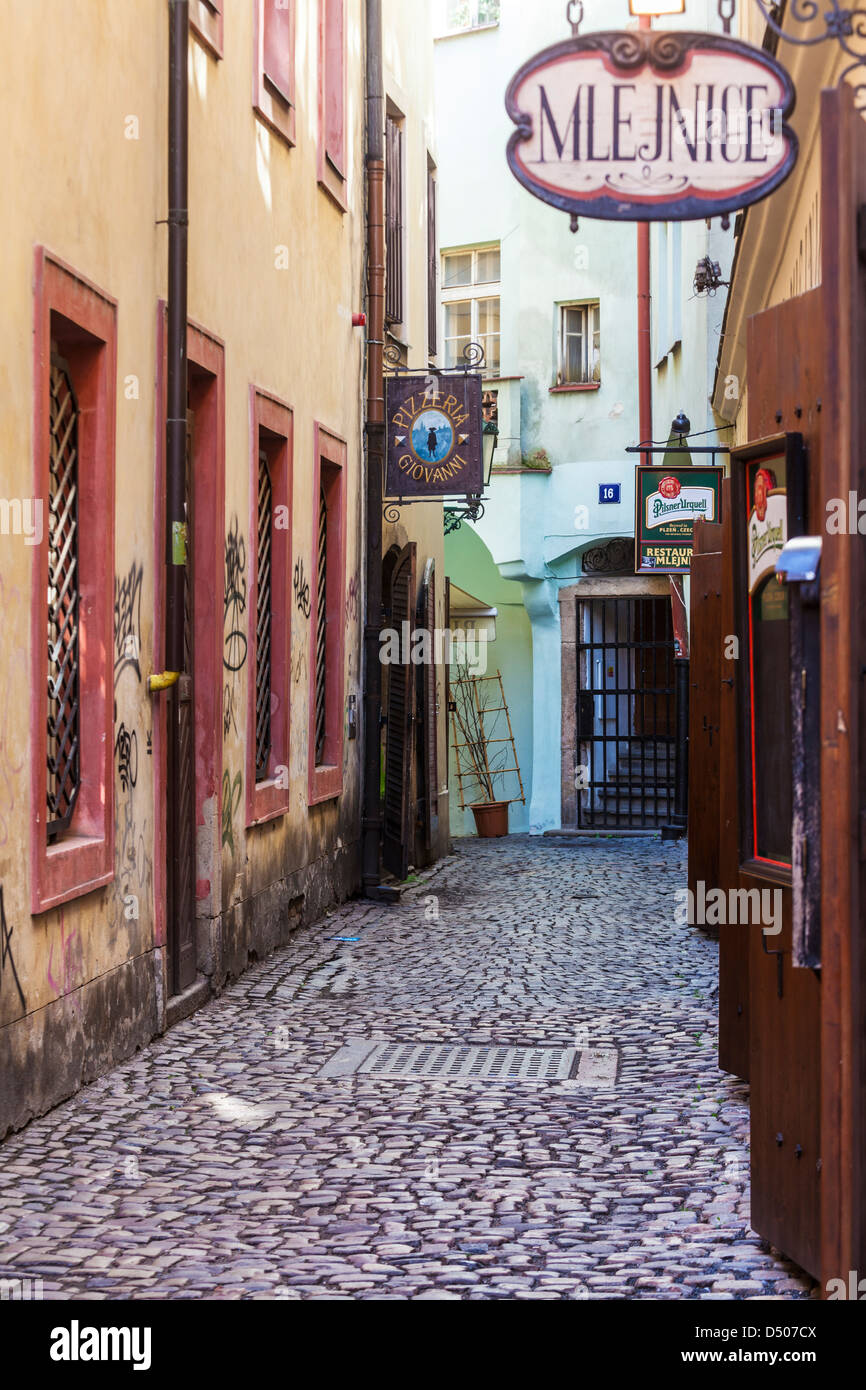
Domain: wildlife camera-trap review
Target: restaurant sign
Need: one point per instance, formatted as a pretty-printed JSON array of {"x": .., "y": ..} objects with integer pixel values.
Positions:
[
  {"x": 651, "y": 126},
  {"x": 669, "y": 502},
  {"x": 434, "y": 436}
]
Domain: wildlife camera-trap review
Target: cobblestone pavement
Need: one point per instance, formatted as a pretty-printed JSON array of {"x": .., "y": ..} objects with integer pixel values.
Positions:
[{"x": 217, "y": 1164}]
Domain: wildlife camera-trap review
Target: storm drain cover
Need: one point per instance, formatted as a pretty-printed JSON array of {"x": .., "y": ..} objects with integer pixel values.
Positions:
[{"x": 446, "y": 1062}]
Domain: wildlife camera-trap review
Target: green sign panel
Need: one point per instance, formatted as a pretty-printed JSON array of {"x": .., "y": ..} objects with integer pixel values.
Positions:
[{"x": 668, "y": 503}]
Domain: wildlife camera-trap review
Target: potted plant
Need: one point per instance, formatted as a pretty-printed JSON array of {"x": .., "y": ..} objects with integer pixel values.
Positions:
[{"x": 476, "y": 719}]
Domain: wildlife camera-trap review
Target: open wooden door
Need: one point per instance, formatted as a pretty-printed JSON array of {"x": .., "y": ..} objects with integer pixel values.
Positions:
[
  {"x": 400, "y": 719},
  {"x": 704, "y": 671},
  {"x": 843, "y": 696}
]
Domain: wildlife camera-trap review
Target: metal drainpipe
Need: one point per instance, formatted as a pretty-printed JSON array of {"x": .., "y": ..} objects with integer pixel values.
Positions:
[
  {"x": 176, "y": 386},
  {"x": 375, "y": 429}
]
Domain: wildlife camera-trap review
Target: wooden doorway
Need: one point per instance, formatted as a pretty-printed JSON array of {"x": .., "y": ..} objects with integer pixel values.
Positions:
[{"x": 398, "y": 700}]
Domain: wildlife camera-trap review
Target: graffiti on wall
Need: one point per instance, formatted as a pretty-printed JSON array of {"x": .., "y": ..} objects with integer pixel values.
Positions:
[
  {"x": 301, "y": 587},
  {"x": 7, "y": 960},
  {"x": 235, "y": 639},
  {"x": 353, "y": 600},
  {"x": 133, "y": 865},
  {"x": 231, "y": 800},
  {"x": 127, "y": 622}
]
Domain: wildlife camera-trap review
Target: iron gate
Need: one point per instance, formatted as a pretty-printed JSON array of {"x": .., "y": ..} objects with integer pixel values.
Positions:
[{"x": 625, "y": 751}]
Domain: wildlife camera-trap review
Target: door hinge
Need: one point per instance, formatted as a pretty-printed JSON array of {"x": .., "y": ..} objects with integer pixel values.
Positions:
[{"x": 861, "y": 231}]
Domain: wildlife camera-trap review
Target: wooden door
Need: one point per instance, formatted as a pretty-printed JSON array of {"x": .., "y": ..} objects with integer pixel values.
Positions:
[
  {"x": 734, "y": 940},
  {"x": 427, "y": 753},
  {"x": 400, "y": 718},
  {"x": 181, "y": 774},
  {"x": 787, "y": 391},
  {"x": 704, "y": 672},
  {"x": 843, "y": 693}
]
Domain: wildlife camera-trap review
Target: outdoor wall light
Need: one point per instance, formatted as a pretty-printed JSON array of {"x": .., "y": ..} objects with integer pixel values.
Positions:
[
  {"x": 708, "y": 276},
  {"x": 681, "y": 426},
  {"x": 656, "y": 7},
  {"x": 489, "y": 441}
]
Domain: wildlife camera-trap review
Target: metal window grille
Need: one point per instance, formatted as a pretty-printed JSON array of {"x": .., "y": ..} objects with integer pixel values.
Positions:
[
  {"x": 394, "y": 221},
  {"x": 263, "y": 621},
  {"x": 432, "y": 266},
  {"x": 63, "y": 746},
  {"x": 321, "y": 628}
]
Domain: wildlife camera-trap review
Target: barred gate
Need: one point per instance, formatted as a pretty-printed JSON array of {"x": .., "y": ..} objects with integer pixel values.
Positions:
[{"x": 625, "y": 752}]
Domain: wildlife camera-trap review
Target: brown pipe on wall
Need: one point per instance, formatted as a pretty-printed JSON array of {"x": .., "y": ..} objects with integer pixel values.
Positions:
[
  {"x": 176, "y": 374},
  {"x": 644, "y": 338},
  {"x": 375, "y": 430}
]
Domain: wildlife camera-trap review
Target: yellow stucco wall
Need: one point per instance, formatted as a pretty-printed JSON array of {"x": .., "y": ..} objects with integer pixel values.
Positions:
[{"x": 275, "y": 271}]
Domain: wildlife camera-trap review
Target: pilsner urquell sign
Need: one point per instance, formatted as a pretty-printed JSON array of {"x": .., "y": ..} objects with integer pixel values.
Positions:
[
  {"x": 669, "y": 501},
  {"x": 643, "y": 126},
  {"x": 434, "y": 436}
]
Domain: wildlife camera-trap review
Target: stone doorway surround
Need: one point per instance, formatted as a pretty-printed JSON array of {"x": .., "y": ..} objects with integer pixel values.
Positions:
[{"x": 628, "y": 586}]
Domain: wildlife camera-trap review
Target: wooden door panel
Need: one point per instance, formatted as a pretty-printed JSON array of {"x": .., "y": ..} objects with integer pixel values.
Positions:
[
  {"x": 704, "y": 746},
  {"x": 397, "y": 809},
  {"x": 734, "y": 940}
]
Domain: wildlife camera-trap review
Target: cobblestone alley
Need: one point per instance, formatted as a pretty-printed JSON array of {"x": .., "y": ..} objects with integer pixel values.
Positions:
[{"x": 221, "y": 1164}]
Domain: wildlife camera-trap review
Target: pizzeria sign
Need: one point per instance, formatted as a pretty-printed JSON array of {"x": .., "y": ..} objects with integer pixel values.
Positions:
[{"x": 651, "y": 126}]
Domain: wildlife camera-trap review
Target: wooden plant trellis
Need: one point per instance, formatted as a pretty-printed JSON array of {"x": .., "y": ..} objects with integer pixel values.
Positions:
[{"x": 475, "y": 736}]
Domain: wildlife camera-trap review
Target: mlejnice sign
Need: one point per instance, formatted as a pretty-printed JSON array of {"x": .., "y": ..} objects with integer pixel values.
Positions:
[
  {"x": 434, "y": 436},
  {"x": 644, "y": 126}
]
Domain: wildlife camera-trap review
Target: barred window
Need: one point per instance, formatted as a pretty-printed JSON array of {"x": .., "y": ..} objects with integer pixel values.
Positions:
[
  {"x": 321, "y": 628},
  {"x": 264, "y": 619},
  {"x": 63, "y": 747}
]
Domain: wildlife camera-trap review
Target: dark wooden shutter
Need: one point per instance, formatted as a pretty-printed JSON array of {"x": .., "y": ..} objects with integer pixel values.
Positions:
[
  {"x": 398, "y": 741},
  {"x": 64, "y": 774},
  {"x": 278, "y": 55},
  {"x": 428, "y": 750},
  {"x": 394, "y": 221},
  {"x": 432, "y": 267}
]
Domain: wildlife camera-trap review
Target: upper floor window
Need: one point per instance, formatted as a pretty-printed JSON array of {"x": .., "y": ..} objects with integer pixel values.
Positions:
[
  {"x": 332, "y": 101},
  {"x": 274, "y": 65},
  {"x": 470, "y": 14},
  {"x": 579, "y": 345},
  {"x": 470, "y": 297},
  {"x": 432, "y": 265},
  {"x": 206, "y": 22},
  {"x": 394, "y": 228}
]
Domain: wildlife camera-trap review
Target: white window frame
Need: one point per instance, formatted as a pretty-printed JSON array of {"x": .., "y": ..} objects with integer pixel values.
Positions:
[
  {"x": 444, "y": 28},
  {"x": 473, "y": 294},
  {"x": 589, "y": 334}
]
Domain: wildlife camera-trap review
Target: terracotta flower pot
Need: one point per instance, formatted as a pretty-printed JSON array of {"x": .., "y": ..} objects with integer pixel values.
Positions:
[{"x": 491, "y": 818}]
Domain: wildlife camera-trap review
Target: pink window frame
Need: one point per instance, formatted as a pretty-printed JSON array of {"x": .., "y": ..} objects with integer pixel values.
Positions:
[
  {"x": 84, "y": 858},
  {"x": 267, "y": 800},
  {"x": 206, "y": 22},
  {"x": 269, "y": 104},
  {"x": 326, "y": 779},
  {"x": 331, "y": 177}
]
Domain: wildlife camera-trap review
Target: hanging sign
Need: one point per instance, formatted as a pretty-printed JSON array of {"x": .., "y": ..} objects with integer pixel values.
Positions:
[
  {"x": 651, "y": 126},
  {"x": 669, "y": 501},
  {"x": 434, "y": 434}
]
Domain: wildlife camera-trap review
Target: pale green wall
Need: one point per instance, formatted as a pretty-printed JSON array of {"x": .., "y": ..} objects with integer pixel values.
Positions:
[{"x": 468, "y": 563}]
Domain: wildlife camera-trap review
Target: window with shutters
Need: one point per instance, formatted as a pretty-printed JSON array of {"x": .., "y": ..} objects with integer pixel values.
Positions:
[
  {"x": 206, "y": 22},
  {"x": 579, "y": 346},
  {"x": 274, "y": 65},
  {"x": 395, "y": 249},
  {"x": 432, "y": 266},
  {"x": 327, "y": 620},
  {"x": 270, "y": 618},
  {"x": 332, "y": 101},
  {"x": 75, "y": 649}
]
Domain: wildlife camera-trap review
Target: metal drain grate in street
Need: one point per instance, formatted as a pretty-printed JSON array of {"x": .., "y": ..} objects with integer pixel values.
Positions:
[{"x": 447, "y": 1062}]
